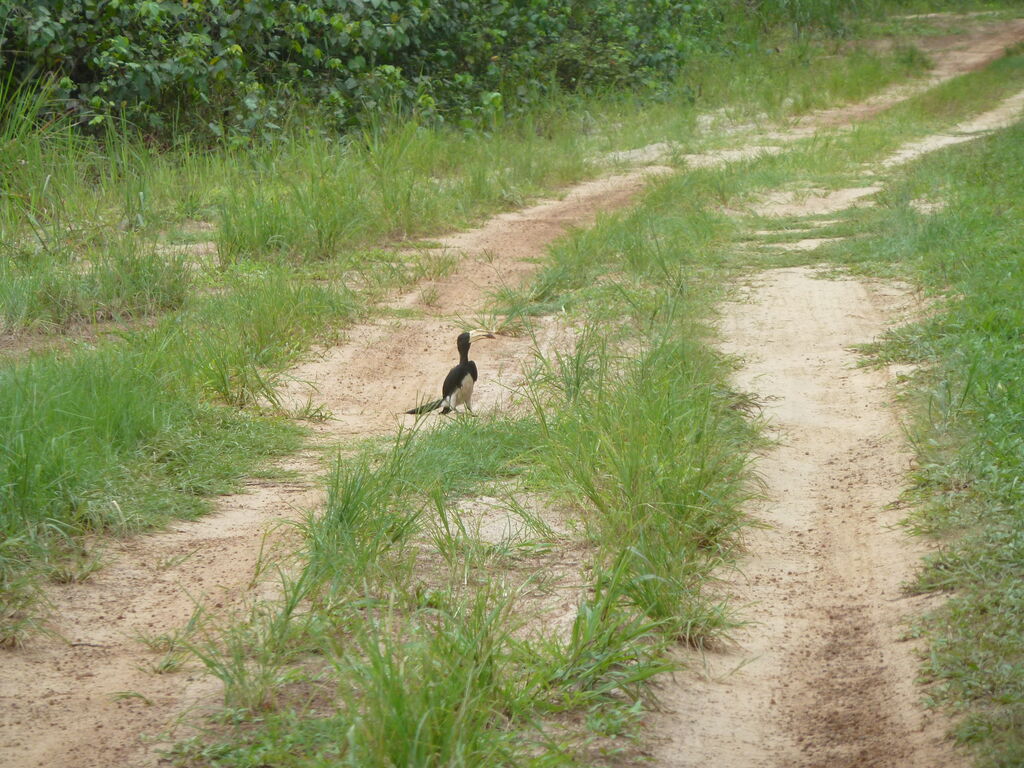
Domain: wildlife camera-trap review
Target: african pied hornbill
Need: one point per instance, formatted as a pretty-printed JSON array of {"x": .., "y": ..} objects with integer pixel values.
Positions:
[{"x": 458, "y": 384}]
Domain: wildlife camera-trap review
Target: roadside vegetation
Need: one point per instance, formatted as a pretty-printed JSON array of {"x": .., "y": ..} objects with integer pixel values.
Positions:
[{"x": 233, "y": 71}]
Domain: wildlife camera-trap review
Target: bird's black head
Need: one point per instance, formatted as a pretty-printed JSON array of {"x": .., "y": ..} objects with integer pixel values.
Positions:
[{"x": 468, "y": 337}]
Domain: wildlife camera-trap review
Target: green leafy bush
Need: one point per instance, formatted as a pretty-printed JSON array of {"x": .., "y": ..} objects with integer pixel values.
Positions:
[{"x": 234, "y": 66}]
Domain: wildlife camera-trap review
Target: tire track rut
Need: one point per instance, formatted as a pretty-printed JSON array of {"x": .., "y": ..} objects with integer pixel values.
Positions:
[{"x": 820, "y": 676}]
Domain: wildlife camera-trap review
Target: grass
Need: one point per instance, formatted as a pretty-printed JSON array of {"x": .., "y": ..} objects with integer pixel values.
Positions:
[
  {"x": 84, "y": 223},
  {"x": 67, "y": 201},
  {"x": 124, "y": 436},
  {"x": 104, "y": 439},
  {"x": 363, "y": 659},
  {"x": 125, "y": 280},
  {"x": 655, "y": 534},
  {"x": 969, "y": 413},
  {"x": 659, "y": 471},
  {"x": 421, "y": 676},
  {"x": 966, "y": 408}
]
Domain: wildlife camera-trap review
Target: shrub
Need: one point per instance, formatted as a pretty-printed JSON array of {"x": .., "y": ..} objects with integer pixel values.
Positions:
[{"x": 233, "y": 66}]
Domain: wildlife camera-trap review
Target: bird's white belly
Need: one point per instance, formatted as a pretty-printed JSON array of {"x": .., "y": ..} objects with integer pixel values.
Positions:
[{"x": 464, "y": 394}]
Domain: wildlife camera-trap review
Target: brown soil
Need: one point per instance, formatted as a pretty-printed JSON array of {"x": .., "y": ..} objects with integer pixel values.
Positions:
[{"x": 821, "y": 589}]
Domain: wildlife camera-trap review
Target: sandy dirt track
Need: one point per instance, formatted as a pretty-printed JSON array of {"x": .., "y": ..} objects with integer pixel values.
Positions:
[
  {"x": 820, "y": 676},
  {"x": 59, "y": 702}
]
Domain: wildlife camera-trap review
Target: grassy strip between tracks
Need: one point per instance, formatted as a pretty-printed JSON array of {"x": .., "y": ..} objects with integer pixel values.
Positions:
[{"x": 405, "y": 636}]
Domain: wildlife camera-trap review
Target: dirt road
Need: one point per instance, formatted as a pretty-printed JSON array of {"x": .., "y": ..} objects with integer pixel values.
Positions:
[
  {"x": 822, "y": 596},
  {"x": 823, "y": 675},
  {"x": 820, "y": 677}
]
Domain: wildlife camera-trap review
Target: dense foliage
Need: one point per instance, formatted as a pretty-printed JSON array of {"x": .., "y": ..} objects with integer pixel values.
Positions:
[{"x": 234, "y": 65}]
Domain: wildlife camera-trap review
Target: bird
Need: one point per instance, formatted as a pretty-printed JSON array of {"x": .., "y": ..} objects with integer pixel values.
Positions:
[{"x": 457, "y": 388}]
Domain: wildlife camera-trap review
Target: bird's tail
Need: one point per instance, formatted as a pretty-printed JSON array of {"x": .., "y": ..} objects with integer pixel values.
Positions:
[{"x": 426, "y": 407}]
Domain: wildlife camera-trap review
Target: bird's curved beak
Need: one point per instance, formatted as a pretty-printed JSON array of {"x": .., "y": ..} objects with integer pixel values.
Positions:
[{"x": 479, "y": 334}]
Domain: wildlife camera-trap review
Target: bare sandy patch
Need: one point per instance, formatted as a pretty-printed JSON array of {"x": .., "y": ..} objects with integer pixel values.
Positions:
[
  {"x": 813, "y": 202},
  {"x": 719, "y": 157},
  {"x": 927, "y": 206},
  {"x": 806, "y": 244}
]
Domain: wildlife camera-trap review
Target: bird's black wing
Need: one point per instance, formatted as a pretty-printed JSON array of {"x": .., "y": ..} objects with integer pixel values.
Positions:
[
  {"x": 455, "y": 376},
  {"x": 452, "y": 382}
]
